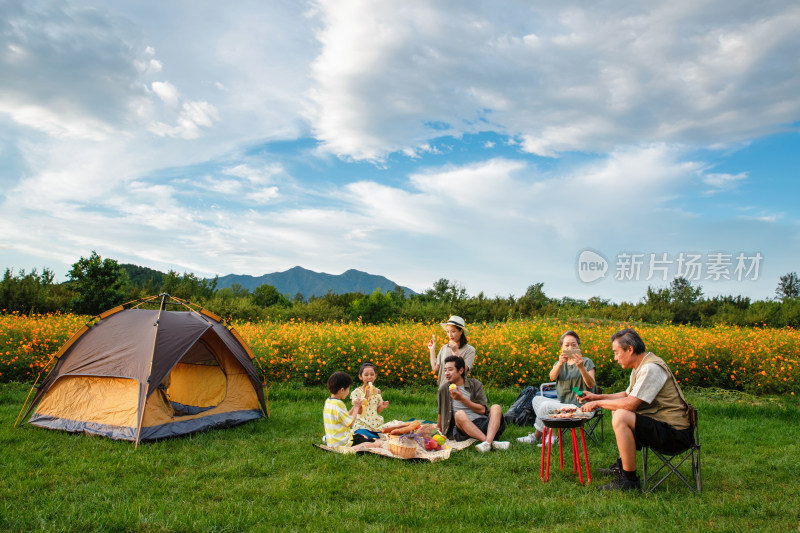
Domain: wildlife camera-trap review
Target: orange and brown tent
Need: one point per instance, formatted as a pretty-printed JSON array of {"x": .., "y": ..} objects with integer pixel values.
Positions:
[{"x": 143, "y": 374}]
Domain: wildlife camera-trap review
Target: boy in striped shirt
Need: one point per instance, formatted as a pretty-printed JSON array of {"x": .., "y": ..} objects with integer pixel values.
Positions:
[{"x": 338, "y": 422}]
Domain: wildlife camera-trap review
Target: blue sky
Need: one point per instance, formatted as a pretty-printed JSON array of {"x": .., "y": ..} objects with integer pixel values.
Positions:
[{"x": 490, "y": 145}]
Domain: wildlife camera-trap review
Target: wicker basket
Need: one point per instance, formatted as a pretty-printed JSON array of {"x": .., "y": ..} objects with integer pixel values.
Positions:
[{"x": 402, "y": 448}]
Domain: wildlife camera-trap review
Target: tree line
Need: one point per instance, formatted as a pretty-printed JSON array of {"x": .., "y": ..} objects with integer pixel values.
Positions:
[{"x": 96, "y": 284}]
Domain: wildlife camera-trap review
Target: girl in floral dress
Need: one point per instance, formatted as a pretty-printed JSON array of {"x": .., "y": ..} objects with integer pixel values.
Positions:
[{"x": 369, "y": 420}]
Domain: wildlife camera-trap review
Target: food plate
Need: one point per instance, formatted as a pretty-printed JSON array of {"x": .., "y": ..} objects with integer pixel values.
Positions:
[
  {"x": 562, "y": 416},
  {"x": 566, "y": 417}
]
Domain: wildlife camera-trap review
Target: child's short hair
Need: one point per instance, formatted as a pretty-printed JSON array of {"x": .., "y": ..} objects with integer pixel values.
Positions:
[
  {"x": 367, "y": 364},
  {"x": 339, "y": 381}
]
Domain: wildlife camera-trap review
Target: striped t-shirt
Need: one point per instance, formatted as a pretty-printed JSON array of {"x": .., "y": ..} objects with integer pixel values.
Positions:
[{"x": 337, "y": 423}]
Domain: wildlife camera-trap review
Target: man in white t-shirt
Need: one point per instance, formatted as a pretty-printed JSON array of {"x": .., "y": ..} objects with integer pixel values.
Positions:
[{"x": 650, "y": 412}]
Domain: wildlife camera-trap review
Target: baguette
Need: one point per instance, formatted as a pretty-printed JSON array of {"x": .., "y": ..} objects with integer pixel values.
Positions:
[
  {"x": 406, "y": 429},
  {"x": 389, "y": 429}
]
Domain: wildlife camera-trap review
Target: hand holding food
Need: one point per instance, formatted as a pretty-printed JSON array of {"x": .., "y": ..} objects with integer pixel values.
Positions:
[
  {"x": 456, "y": 394},
  {"x": 452, "y": 386},
  {"x": 367, "y": 392}
]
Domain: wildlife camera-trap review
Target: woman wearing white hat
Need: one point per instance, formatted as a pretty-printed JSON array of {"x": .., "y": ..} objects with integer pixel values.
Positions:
[{"x": 456, "y": 345}]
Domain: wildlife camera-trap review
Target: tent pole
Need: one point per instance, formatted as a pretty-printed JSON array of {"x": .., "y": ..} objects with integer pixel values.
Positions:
[
  {"x": 140, "y": 301},
  {"x": 149, "y": 371},
  {"x": 26, "y": 399}
]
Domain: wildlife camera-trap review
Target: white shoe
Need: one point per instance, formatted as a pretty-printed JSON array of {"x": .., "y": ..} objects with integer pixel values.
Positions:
[
  {"x": 528, "y": 439},
  {"x": 483, "y": 447},
  {"x": 553, "y": 440},
  {"x": 500, "y": 445}
]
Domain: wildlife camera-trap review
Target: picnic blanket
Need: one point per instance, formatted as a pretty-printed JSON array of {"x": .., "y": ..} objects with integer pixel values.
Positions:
[{"x": 419, "y": 454}]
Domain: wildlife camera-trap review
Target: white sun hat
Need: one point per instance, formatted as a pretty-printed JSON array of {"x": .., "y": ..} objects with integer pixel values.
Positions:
[{"x": 455, "y": 321}]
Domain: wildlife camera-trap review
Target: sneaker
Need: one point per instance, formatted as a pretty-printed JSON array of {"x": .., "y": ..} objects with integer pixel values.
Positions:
[
  {"x": 553, "y": 440},
  {"x": 612, "y": 470},
  {"x": 500, "y": 445},
  {"x": 623, "y": 483},
  {"x": 483, "y": 447},
  {"x": 528, "y": 439}
]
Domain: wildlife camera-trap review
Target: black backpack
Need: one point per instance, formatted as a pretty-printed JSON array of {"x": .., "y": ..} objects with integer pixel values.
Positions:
[{"x": 521, "y": 411}]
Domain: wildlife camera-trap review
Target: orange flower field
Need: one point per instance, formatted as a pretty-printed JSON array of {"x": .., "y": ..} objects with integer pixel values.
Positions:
[{"x": 509, "y": 354}]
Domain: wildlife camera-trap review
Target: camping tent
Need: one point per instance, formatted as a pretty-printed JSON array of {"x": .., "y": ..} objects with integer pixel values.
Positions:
[{"x": 143, "y": 374}]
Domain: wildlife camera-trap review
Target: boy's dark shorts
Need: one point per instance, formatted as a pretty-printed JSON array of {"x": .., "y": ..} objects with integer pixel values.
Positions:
[
  {"x": 660, "y": 436},
  {"x": 481, "y": 423},
  {"x": 359, "y": 438}
]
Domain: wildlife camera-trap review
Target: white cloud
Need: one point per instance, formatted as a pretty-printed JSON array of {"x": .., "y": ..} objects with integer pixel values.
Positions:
[
  {"x": 263, "y": 196},
  {"x": 392, "y": 208},
  {"x": 167, "y": 92},
  {"x": 56, "y": 124},
  {"x": 558, "y": 77},
  {"x": 263, "y": 175},
  {"x": 192, "y": 117},
  {"x": 769, "y": 219},
  {"x": 722, "y": 180},
  {"x": 479, "y": 186},
  {"x": 124, "y": 132},
  {"x": 502, "y": 217},
  {"x": 83, "y": 71}
]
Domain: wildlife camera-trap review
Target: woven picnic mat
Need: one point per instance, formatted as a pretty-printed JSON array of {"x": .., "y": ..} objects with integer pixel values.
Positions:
[{"x": 419, "y": 454}]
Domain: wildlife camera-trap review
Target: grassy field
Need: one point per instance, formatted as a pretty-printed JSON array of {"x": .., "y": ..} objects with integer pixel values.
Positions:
[{"x": 266, "y": 475}]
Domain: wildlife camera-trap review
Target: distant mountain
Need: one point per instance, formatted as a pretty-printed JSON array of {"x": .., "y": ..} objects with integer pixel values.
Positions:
[{"x": 310, "y": 283}]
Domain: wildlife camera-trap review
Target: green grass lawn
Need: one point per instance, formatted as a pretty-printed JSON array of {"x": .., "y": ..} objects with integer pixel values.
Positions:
[{"x": 265, "y": 475}]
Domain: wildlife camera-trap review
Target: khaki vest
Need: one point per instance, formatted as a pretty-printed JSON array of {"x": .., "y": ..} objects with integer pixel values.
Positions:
[{"x": 669, "y": 405}]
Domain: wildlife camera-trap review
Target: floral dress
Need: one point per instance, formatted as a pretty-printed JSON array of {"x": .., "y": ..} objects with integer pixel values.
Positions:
[{"x": 368, "y": 418}]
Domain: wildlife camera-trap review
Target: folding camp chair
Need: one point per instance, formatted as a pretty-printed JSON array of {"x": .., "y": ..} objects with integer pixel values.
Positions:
[
  {"x": 667, "y": 460},
  {"x": 549, "y": 390}
]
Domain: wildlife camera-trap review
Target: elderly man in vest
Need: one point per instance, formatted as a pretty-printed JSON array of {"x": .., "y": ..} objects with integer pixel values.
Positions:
[{"x": 651, "y": 412}]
